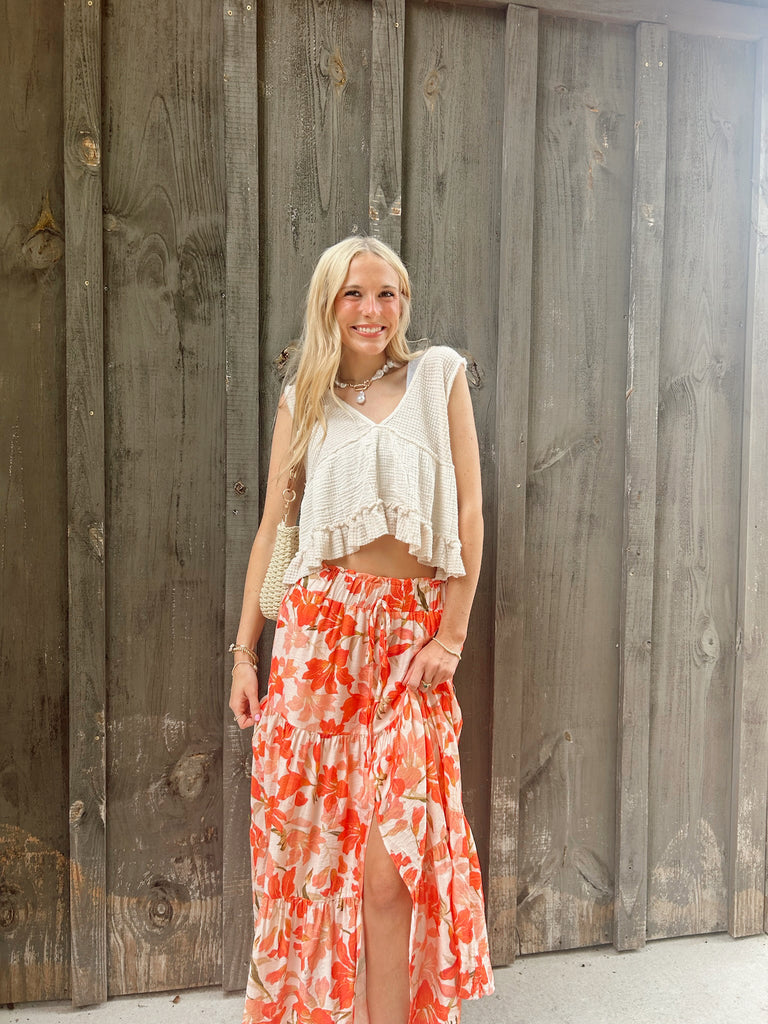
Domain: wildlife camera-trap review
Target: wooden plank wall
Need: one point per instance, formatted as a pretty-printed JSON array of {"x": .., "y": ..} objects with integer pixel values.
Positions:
[
  {"x": 580, "y": 203},
  {"x": 34, "y": 845}
]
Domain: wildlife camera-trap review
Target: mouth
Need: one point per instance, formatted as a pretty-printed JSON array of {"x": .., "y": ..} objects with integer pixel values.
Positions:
[{"x": 368, "y": 330}]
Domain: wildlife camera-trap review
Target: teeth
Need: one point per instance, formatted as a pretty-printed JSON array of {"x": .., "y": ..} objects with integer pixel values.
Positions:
[{"x": 368, "y": 330}]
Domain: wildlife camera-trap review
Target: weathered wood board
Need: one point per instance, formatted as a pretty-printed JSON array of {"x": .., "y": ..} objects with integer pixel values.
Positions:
[
  {"x": 642, "y": 396},
  {"x": 385, "y": 196},
  {"x": 747, "y": 861},
  {"x": 241, "y": 151},
  {"x": 34, "y": 873},
  {"x": 711, "y": 88},
  {"x": 453, "y": 111},
  {"x": 512, "y": 386},
  {"x": 165, "y": 381},
  {"x": 584, "y": 131}
]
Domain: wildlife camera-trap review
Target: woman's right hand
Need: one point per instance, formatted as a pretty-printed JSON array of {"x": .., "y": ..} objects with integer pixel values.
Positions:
[{"x": 244, "y": 695}]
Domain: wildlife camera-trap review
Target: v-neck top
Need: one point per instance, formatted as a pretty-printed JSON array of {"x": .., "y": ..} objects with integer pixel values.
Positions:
[{"x": 365, "y": 480}]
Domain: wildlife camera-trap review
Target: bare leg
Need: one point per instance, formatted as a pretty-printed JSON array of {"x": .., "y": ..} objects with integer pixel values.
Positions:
[{"x": 387, "y": 924}]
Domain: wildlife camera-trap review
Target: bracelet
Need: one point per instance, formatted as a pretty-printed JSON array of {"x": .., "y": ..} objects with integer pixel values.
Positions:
[
  {"x": 456, "y": 654},
  {"x": 239, "y": 663},
  {"x": 246, "y": 650}
]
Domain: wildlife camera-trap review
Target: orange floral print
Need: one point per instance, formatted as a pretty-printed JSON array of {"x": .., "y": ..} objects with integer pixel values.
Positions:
[{"x": 342, "y": 739}]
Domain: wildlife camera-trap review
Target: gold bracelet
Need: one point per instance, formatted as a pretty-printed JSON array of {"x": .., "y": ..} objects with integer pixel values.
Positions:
[
  {"x": 246, "y": 650},
  {"x": 239, "y": 663},
  {"x": 456, "y": 654}
]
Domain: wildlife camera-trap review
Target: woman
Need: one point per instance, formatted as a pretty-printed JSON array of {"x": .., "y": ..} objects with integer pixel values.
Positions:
[{"x": 367, "y": 891}]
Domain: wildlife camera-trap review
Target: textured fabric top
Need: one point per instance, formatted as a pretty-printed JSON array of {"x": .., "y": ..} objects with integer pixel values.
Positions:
[{"x": 366, "y": 479}]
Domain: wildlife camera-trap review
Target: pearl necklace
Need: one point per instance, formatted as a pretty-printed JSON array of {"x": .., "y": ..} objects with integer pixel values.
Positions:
[{"x": 362, "y": 386}]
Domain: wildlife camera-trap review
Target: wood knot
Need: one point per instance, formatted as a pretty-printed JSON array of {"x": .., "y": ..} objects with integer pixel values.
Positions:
[
  {"x": 76, "y": 812},
  {"x": 189, "y": 776},
  {"x": 10, "y": 899},
  {"x": 432, "y": 84},
  {"x": 96, "y": 540},
  {"x": 160, "y": 904},
  {"x": 89, "y": 150},
  {"x": 337, "y": 71},
  {"x": 708, "y": 645},
  {"x": 44, "y": 245}
]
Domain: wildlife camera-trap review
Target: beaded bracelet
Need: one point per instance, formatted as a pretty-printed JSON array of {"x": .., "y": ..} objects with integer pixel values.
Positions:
[
  {"x": 456, "y": 654},
  {"x": 239, "y": 663},
  {"x": 246, "y": 650}
]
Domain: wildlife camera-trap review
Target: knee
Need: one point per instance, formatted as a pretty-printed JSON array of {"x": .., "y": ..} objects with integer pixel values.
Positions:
[{"x": 385, "y": 891}]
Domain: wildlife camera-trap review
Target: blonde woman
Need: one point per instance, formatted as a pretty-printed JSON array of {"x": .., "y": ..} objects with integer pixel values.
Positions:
[{"x": 367, "y": 892}]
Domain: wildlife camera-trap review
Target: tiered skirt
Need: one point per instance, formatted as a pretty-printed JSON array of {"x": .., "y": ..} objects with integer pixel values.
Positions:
[{"x": 341, "y": 739}]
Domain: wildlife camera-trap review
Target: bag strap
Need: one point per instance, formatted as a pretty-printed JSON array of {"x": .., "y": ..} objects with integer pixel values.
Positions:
[{"x": 289, "y": 496}]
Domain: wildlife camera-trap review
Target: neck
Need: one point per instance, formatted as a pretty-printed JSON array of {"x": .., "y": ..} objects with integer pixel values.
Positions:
[{"x": 357, "y": 367}]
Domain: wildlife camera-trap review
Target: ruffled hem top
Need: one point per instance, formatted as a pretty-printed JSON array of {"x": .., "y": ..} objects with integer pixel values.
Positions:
[{"x": 365, "y": 480}]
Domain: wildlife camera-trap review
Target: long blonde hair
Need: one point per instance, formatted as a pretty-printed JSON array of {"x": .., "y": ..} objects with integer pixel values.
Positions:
[{"x": 319, "y": 354}]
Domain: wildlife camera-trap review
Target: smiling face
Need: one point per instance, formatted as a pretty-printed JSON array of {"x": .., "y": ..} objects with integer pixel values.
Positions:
[{"x": 367, "y": 307}]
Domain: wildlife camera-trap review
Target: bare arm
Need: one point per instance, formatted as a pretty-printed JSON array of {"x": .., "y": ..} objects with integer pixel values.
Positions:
[
  {"x": 432, "y": 664},
  {"x": 244, "y": 695}
]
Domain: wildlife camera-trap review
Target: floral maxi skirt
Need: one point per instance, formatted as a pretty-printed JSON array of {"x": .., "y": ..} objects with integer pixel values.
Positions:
[{"x": 340, "y": 739}]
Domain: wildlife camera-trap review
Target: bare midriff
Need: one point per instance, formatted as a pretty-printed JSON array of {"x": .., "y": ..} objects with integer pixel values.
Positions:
[{"x": 385, "y": 556}]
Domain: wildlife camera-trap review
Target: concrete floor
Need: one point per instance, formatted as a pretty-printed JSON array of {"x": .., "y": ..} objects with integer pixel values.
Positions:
[{"x": 701, "y": 980}]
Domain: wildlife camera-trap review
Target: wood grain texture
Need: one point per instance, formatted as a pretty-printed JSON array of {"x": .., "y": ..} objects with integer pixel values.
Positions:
[
  {"x": 452, "y": 152},
  {"x": 86, "y": 499},
  {"x": 726, "y": 19},
  {"x": 385, "y": 198},
  {"x": 749, "y": 793},
  {"x": 584, "y": 149},
  {"x": 512, "y": 383},
  {"x": 165, "y": 359},
  {"x": 34, "y": 827},
  {"x": 642, "y": 395},
  {"x": 241, "y": 150},
  {"x": 711, "y": 87}
]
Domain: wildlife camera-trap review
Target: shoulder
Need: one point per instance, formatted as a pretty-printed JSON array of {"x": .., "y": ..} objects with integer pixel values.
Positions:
[
  {"x": 288, "y": 397},
  {"x": 444, "y": 361}
]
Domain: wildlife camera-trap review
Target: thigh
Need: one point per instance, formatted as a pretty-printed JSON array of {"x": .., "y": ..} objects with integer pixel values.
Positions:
[{"x": 382, "y": 883}]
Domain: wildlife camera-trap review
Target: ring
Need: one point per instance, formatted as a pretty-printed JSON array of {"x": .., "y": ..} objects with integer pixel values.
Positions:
[{"x": 424, "y": 684}]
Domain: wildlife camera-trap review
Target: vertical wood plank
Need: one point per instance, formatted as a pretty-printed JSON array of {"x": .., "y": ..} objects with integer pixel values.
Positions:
[
  {"x": 584, "y": 133},
  {"x": 515, "y": 273},
  {"x": 749, "y": 796},
  {"x": 165, "y": 443},
  {"x": 385, "y": 197},
  {"x": 644, "y": 332},
  {"x": 34, "y": 823},
  {"x": 701, "y": 381},
  {"x": 86, "y": 499},
  {"x": 452, "y": 153},
  {"x": 242, "y": 508}
]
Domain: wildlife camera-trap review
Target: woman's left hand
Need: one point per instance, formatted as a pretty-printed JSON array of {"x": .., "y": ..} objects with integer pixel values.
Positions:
[{"x": 432, "y": 665}]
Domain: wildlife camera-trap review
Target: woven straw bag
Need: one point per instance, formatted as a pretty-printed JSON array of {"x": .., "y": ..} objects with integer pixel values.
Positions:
[{"x": 286, "y": 545}]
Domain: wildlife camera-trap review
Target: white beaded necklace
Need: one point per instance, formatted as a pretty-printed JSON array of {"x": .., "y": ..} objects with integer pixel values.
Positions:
[{"x": 362, "y": 386}]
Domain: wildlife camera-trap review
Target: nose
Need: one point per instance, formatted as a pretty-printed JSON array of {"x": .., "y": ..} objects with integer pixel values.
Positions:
[{"x": 371, "y": 304}]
